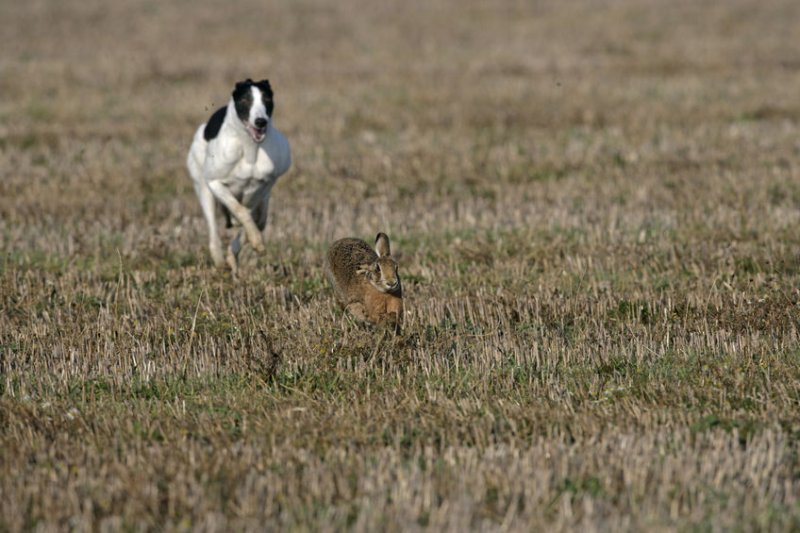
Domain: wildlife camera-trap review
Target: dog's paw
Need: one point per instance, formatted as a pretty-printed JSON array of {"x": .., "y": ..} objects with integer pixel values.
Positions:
[
  {"x": 258, "y": 243},
  {"x": 217, "y": 257}
]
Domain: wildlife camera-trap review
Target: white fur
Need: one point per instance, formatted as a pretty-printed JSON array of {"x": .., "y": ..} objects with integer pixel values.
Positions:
[
  {"x": 257, "y": 110},
  {"x": 238, "y": 172}
]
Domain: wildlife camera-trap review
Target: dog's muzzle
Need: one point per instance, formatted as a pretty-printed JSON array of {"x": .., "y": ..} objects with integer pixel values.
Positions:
[{"x": 259, "y": 131}]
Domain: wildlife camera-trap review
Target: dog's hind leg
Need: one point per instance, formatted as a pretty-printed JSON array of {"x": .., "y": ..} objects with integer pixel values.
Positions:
[
  {"x": 233, "y": 254},
  {"x": 208, "y": 203},
  {"x": 260, "y": 214}
]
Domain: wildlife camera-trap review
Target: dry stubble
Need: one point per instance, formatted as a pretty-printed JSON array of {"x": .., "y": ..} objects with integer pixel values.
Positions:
[{"x": 595, "y": 207}]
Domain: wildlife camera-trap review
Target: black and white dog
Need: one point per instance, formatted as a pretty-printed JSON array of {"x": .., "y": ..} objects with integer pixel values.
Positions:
[{"x": 235, "y": 159}]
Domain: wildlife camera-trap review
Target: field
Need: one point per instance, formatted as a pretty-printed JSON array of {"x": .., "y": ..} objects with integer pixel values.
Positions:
[{"x": 595, "y": 206}]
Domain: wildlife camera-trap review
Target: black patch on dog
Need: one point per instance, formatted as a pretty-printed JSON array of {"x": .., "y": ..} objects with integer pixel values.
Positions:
[
  {"x": 243, "y": 98},
  {"x": 214, "y": 124},
  {"x": 266, "y": 95},
  {"x": 227, "y": 214}
]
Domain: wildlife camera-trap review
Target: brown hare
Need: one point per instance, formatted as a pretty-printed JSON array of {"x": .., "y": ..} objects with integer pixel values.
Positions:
[{"x": 365, "y": 281}]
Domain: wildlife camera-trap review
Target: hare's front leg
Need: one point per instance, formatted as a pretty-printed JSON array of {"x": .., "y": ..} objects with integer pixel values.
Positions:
[{"x": 358, "y": 310}]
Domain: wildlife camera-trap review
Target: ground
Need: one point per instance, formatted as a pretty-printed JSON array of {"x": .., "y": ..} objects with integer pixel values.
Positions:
[{"x": 596, "y": 210}]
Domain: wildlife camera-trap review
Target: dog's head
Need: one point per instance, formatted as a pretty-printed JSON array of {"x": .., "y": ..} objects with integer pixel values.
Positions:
[{"x": 254, "y": 105}]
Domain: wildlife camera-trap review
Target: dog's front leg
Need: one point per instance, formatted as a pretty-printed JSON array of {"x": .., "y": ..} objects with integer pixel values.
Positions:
[
  {"x": 208, "y": 203},
  {"x": 241, "y": 213}
]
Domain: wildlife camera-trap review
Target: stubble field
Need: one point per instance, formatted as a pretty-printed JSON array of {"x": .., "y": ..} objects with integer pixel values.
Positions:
[{"x": 596, "y": 209}]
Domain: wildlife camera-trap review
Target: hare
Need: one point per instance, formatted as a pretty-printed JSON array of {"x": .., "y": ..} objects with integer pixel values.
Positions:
[{"x": 365, "y": 281}]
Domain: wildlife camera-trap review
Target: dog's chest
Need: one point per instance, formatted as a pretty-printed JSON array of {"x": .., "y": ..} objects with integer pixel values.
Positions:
[
  {"x": 248, "y": 180},
  {"x": 259, "y": 168}
]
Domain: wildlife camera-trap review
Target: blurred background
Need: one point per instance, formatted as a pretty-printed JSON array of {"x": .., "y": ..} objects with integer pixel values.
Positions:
[{"x": 442, "y": 115}]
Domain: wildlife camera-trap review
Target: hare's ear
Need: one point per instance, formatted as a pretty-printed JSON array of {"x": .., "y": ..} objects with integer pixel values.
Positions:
[{"x": 382, "y": 245}]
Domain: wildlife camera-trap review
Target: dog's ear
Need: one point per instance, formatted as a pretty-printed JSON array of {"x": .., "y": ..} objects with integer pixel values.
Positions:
[
  {"x": 241, "y": 87},
  {"x": 265, "y": 87}
]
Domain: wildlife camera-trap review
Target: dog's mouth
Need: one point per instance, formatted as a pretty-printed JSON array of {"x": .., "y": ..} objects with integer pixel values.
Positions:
[{"x": 257, "y": 134}]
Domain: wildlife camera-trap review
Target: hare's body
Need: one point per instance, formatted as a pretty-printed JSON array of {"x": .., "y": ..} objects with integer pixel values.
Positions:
[
  {"x": 383, "y": 306},
  {"x": 365, "y": 281}
]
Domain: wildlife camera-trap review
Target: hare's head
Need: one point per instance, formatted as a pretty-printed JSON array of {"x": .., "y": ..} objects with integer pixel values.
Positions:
[{"x": 382, "y": 274}]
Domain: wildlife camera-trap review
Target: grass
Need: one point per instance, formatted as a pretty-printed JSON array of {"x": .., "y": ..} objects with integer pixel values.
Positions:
[{"x": 595, "y": 210}]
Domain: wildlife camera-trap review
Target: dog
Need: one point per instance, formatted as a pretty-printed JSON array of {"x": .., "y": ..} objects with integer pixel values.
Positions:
[{"x": 234, "y": 161}]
